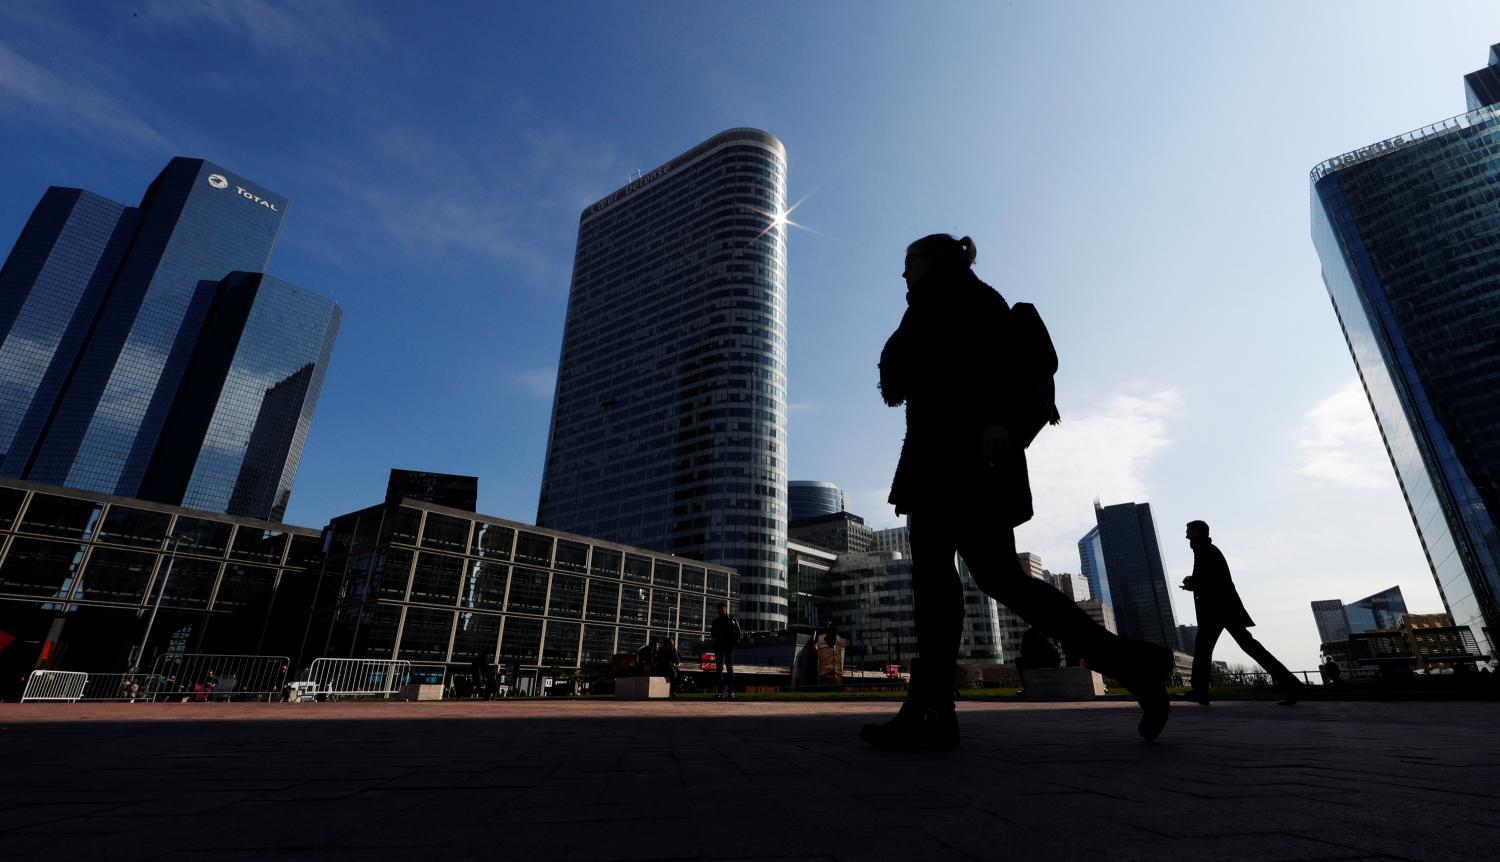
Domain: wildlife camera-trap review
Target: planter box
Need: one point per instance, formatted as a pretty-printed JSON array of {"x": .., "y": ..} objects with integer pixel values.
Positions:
[
  {"x": 422, "y": 691},
  {"x": 642, "y": 688},
  {"x": 1062, "y": 683}
]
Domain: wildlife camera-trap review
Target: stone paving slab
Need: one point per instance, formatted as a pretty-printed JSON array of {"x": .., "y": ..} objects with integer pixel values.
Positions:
[{"x": 709, "y": 780}]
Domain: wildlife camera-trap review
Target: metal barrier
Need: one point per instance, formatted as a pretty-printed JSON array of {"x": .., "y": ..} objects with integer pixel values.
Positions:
[
  {"x": 357, "y": 677},
  {"x": 129, "y": 687},
  {"x": 55, "y": 685},
  {"x": 197, "y": 677}
]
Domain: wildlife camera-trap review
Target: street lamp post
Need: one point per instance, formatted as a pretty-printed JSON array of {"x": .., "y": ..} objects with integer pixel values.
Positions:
[{"x": 173, "y": 541}]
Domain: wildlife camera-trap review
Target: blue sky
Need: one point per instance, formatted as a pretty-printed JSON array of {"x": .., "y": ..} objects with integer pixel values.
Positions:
[{"x": 1139, "y": 172}]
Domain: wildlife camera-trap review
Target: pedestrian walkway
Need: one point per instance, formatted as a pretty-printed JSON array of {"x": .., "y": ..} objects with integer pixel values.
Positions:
[{"x": 695, "y": 780}]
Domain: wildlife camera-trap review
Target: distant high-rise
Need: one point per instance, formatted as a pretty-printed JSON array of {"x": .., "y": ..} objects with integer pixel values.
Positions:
[
  {"x": 841, "y": 532},
  {"x": 141, "y": 355},
  {"x": 669, "y": 419},
  {"x": 1405, "y": 232},
  {"x": 1091, "y": 560},
  {"x": 1333, "y": 626},
  {"x": 1137, "y": 577},
  {"x": 1383, "y": 610},
  {"x": 896, "y": 539},
  {"x": 1187, "y": 637},
  {"x": 808, "y": 499},
  {"x": 1075, "y": 587}
]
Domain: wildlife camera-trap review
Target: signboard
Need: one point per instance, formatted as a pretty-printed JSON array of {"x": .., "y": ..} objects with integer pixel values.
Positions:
[{"x": 708, "y": 661}]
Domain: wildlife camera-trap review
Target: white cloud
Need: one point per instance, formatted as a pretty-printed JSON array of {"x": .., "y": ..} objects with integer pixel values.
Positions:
[
  {"x": 74, "y": 105},
  {"x": 304, "y": 28},
  {"x": 1103, "y": 455},
  {"x": 1341, "y": 444},
  {"x": 538, "y": 381}
]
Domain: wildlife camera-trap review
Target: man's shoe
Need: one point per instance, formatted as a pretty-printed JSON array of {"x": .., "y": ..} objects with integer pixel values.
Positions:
[
  {"x": 1144, "y": 668},
  {"x": 1295, "y": 691},
  {"x": 915, "y": 728}
]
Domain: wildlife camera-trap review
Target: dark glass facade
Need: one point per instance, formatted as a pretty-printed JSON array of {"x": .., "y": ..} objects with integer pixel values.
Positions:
[
  {"x": 420, "y": 582},
  {"x": 105, "y": 309},
  {"x": 234, "y": 437},
  {"x": 669, "y": 419},
  {"x": 81, "y": 572},
  {"x": 1409, "y": 241},
  {"x": 1138, "y": 588},
  {"x": 807, "y": 499}
]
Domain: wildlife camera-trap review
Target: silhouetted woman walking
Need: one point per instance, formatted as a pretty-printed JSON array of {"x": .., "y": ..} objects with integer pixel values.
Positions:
[{"x": 962, "y": 479}]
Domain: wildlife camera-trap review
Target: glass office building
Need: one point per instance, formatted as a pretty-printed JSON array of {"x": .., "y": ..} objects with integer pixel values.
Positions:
[
  {"x": 806, "y": 499},
  {"x": 669, "y": 418},
  {"x": 435, "y": 586},
  {"x": 1091, "y": 560},
  {"x": 80, "y": 573},
  {"x": 1409, "y": 239},
  {"x": 1138, "y": 590},
  {"x": 233, "y": 440},
  {"x": 103, "y": 313}
]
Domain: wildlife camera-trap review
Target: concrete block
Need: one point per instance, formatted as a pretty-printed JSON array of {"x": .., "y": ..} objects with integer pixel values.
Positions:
[
  {"x": 1062, "y": 683},
  {"x": 642, "y": 688},
  {"x": 422, "y": 691}
]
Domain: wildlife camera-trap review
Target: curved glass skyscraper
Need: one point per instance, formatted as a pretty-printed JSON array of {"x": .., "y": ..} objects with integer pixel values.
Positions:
[
  {"x": 669, "y": 417},
  {"x": 807, "y": 499},
  {"x": 1409, "y": 237}
]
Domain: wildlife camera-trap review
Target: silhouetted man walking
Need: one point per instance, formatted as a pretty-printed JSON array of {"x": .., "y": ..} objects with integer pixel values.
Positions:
[{"x": 1219, "y": 610}]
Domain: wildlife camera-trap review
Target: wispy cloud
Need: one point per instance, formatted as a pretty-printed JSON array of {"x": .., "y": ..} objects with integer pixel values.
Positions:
[
  {"x": 304, "y": 28},
  {"x": 1103, "y": 454},
  {"x": 73, "y": 104},
  {"x": 538, "y": 381},
  {"x": 1341, "y": 444}
]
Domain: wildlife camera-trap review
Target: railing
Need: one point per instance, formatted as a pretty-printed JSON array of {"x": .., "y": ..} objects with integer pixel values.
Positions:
[
  {"x": 354, "y": 677},
  {"x": 206, "y": 677},
  {"x": 129, "y": 687},
  {"x": 54, "y": 685},
  {"x": 1380, "y": 148}
]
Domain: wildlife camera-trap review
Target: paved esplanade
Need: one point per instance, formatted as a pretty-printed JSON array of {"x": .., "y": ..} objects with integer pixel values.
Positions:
[{"x": 744, "y": 780}]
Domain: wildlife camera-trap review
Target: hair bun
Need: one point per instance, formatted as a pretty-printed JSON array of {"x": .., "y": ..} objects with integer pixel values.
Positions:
[{"x": 970, "y": 252}]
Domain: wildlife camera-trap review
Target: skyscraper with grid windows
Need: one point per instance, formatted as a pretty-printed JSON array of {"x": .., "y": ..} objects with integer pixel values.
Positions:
[{"x": 669, "y": 417}]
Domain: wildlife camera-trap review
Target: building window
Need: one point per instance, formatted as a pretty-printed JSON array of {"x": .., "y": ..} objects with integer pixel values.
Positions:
[
  {"x": 401, "y": 525},
  {"x": 571, "y": 556},
  {"x": 37, "y": 568},
  {"x": 534, "y": 549},
  {"x": 186, "y": 582},
  {"x": 201, "y": 536},
  {"x": 492, "y": 540},
  {"x": 425, "y": 635},
  {"x": 528, "y": 591},
  {"x": 562, "y": 644},
  {"x": 476, "y": 637},
  {"x": 522, "y": 640},
  {"x": 445, "y": 533},
  {"x": 436, "y": 578},
  {"x": 604, "y": 600},
  {"x": 245, "y": 589},
  {"x": 142, "y": 528},
  {"x": 637, "y": 569},
  {"x": 665, "y": 575},
  {"x": 485, "y": 586},
  {"x": 567, "y": 596},
  {"x": 605, "y": 563},
  {"x": 116, "y": 576},
  {"x": 258, "y": 546},
  {"x": 60, "y": 516}
]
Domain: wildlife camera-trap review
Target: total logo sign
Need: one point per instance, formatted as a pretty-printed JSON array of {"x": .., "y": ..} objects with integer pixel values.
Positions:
[{"x": 219, "y": 181}]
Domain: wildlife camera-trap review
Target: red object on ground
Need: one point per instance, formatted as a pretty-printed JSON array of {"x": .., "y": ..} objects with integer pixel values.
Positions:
[
  {"x": 6, "y": 640},
  {"x": 708, "y": 661}
]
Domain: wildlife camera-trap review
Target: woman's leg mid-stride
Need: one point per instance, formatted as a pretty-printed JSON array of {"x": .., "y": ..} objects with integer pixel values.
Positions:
[
  {"x": 927, "y": 718},
  {"x": 1140, "y": 666}
]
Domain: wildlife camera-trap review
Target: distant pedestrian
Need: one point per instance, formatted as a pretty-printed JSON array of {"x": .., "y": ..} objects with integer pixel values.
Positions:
[
  {"x": 667, "y": 665},
  {"x": 1219, "y": 610},
  {"x": 976, "y": 376},
  {"x": 725, "y": 634}
]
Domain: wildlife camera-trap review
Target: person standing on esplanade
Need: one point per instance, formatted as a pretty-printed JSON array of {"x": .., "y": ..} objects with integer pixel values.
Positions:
[
  {"x": 976, "y": 378},
  {"x": 1220, "y": 609},
  {"x": 725, "y": 634}
]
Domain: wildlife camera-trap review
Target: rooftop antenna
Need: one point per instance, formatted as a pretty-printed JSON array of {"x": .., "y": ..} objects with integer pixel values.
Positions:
[{"x": 634, "y": 175}]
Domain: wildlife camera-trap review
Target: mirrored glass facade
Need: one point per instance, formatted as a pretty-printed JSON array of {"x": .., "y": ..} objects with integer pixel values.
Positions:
[
  {"x": 105, "y": 309},
  {"x": 669, "y": 419},
  {"x": 448, "y": 587},
  {"x": 808, "y": 499},
  {"x": 81, "y": 572},
  {"x": 1138, "y": 588},
  {"x": 1409, "y": 240}
]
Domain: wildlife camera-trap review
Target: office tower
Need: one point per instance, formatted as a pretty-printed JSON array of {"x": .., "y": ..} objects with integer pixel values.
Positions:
[
  {"x": 892, "y": 539},
  {"x": 1100, "y": 613},
  {"x": 1009, "y": 625},
  {"x": 1333, "y": 626},
  {"x": 1383, "y": 610},
  {"x": 1138, "y": 585},
  {"x": 445, "y": 489},
  {"x": 669, "y": 418},
  {"x": 809, "y": 587},
  {"x": 233, "y": 439},
  {"x": 1091, "y": 560},
  {"x": 144, "y": 355},
  {"x": 805, "y": 499},
  {"x": 1404, "y": 230},
  {"x": 1075, "y": 587},
  {"x": 1187, "y": 636},
  {"x": 840, "y": 532}
]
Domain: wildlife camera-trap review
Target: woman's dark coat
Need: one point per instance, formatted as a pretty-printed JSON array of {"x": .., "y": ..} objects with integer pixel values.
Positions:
[
  {"x": 1214, "y": 596},
  {"x": 949, "y": 363}
]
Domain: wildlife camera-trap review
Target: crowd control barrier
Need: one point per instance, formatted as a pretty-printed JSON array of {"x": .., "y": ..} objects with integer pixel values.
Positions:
[
  {"x": 54, "y": 685},
  {"x": 357, "y": 677},
  {"x": 127, "y": 687},
  {"x": 208, "y": 677}
]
